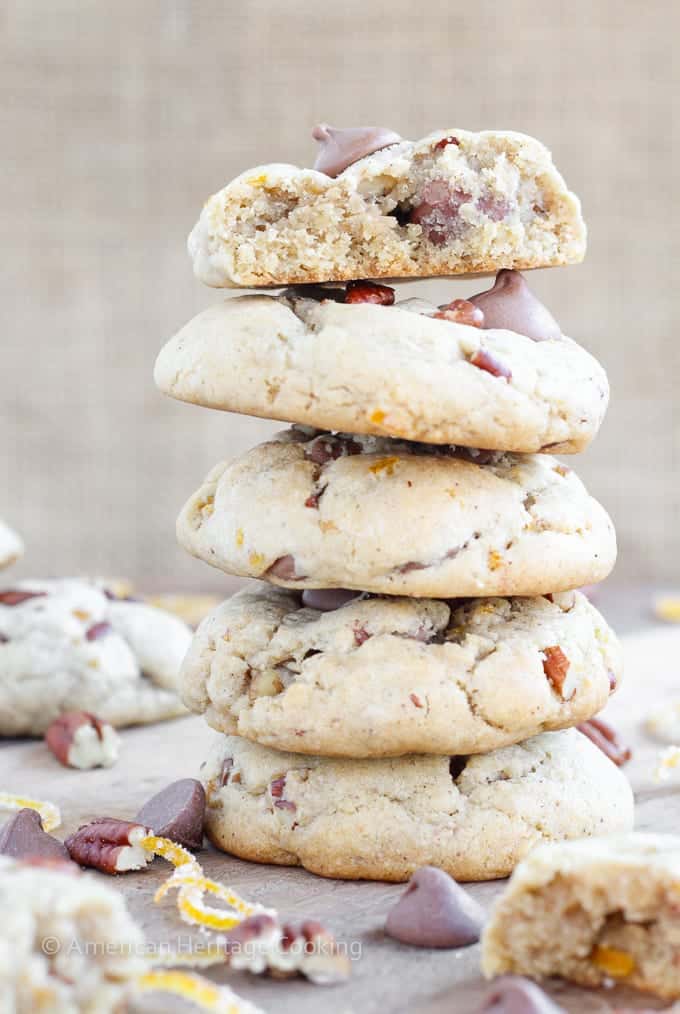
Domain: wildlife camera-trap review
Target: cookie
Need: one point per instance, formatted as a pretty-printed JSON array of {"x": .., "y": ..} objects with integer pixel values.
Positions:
[
  {"x": 11, "y": 546},
  {"x": 313, "y": 510},
  {"x": 380, "y": 677},
  {"x": 408, "y": 370},
  {"x": 66, "y": 646},
  {"x": 67, "y": 941},
  {"x": 608, "y": 909},
  {"x": 453, "y": 203},
  {"x": 473, "y": 817}
]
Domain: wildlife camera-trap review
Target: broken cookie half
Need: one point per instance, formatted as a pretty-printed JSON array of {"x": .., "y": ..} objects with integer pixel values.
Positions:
[
  {"x": 597, "y": 911},
  {"x": 453, "y": 203}
]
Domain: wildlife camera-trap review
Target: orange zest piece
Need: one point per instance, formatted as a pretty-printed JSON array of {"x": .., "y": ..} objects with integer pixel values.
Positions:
[
  {"x": 197, "y": 990},
  {"x": 617, "y": 964},
  {"x": 192, "y": 884},
  {"x": 49, "y": 813},
  {"x": 384, "y": 465}
]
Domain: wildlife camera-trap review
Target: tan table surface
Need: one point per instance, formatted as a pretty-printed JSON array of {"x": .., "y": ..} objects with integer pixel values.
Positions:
[{"x": 388, "y": 977}]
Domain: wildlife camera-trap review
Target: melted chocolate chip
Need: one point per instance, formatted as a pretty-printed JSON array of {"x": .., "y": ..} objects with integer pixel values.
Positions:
[
  {"x": 341, "y": 147},
  {"x": 98, "y": 630},
  {"x": 510, "y": 305}
]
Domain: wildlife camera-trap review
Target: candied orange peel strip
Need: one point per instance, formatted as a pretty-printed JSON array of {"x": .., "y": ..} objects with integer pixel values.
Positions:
[
  {"x": 197, "y": 990},
  {"x": 188, "y": 877},
  {"x": 49, "y": 812},
  {"x": 170, "y": 850},
  {"x": 202, "y": 957}
]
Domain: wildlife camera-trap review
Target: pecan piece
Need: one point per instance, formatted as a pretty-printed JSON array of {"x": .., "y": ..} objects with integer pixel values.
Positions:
[
  {"x": 484, "y": 360},
  {"x": 110, "y": 845},
  {"x": 78, "y": 739},
  {"x": 445, "y": 142},
  {"x": 98, "y": 630},
  {"x": 555, "y": 666},
  {"x": 461, "y": 311},
  {"x": 330, "y": 447},
  {"x": 276, "y": 788},
  {"x": 15, "y": 597},
  {"x": 603, "y": 736},
  {"x": 369, "y": 292}
]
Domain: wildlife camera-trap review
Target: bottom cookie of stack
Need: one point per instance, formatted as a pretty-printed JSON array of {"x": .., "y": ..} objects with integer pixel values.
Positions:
[{"x": 474, "y": 817}]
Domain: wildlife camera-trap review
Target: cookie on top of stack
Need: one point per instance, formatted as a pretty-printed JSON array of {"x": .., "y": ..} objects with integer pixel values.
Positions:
[{"x": 402, "y": 688}]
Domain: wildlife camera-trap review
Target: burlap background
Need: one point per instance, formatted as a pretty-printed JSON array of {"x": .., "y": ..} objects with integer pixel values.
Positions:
[{"x": 119, "y": 119}]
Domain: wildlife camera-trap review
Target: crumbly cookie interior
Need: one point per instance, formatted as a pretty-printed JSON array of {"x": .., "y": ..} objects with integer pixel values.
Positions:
[
  {"x": 589, "y": 935},
  {"x": 478, "y": 202}
]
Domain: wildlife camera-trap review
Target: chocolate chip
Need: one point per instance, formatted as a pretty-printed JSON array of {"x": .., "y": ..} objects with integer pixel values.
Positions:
[
  {"x": 435, "y": 911},
  {"x": 511, "y": 306},
  {"x": 437, "y": 212},
  {"x": 15, "y": 598},
  {"x": 177, "y": 812},
  {"x": 326, "y": 600},
  {"x": 23, "y": 838},
  {"x": 513, "y": 994},
  {"x": 341, "y": 147}
]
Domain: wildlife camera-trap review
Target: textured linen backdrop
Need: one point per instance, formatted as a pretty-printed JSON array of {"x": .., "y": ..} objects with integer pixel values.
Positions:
[{"x": 120, "y": 119}]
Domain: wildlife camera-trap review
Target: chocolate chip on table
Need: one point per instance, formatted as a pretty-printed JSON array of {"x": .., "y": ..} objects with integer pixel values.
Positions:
[
  {"x": 23, "y": 837},
  {"x": 326, "y": 600},
  {"x": 603, "y": 736},
  {"x": 513, "y": 994},
  {"x": 435, "y": 911},
  {"x": 177, "y": 812},
  {"x": 510, "y": 305}
]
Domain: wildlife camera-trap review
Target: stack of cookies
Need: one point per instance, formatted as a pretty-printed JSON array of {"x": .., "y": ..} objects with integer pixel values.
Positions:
[{"x": 402, "y": 688}]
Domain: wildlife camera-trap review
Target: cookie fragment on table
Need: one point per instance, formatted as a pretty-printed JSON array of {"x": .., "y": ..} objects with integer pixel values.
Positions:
[
  {"x": 455, "y": 202},
  {"x": 67, "y": 941},
  {"x": 598, "y": 911}
]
